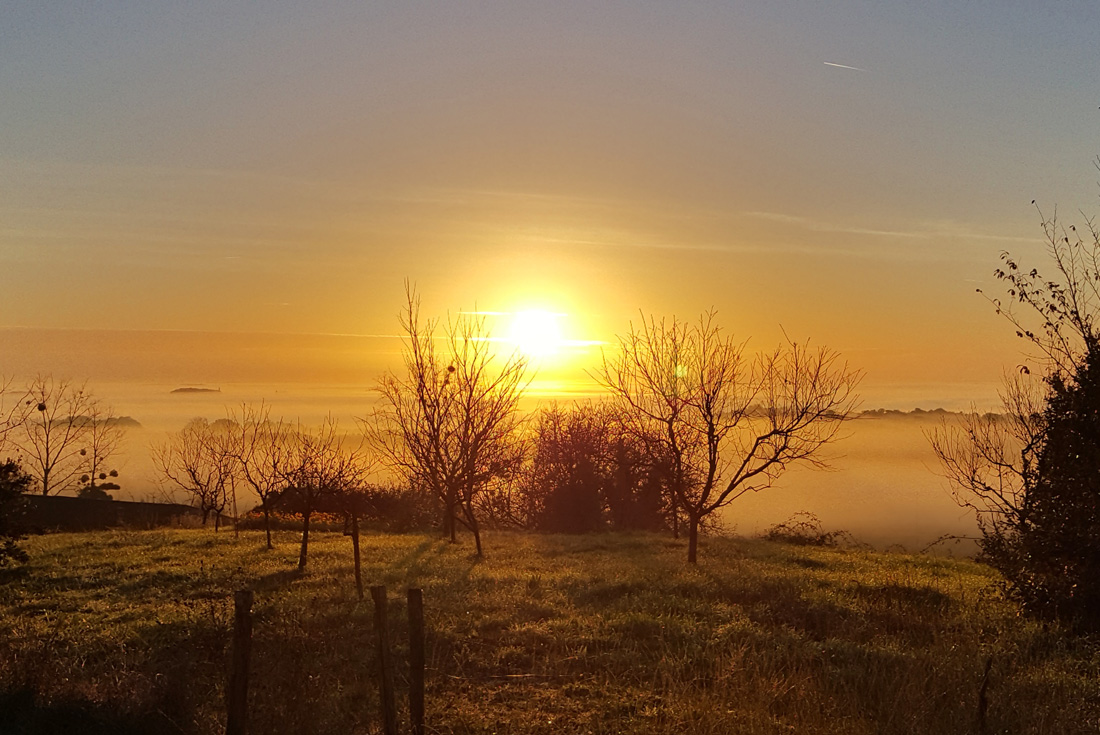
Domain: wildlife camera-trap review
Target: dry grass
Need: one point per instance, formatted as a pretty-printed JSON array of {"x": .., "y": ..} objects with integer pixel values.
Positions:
[{"x": 128, "y": 632}]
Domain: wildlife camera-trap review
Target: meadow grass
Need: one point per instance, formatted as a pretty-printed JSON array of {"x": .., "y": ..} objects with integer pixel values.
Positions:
[{"x": 128, "y": 632}]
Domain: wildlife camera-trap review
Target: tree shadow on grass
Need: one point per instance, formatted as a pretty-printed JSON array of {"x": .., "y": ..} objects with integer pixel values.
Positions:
[
  {"x": 276, "y": 580},
  {"x": 22, "y": 713},
  {"x": 9, "y": 574}
]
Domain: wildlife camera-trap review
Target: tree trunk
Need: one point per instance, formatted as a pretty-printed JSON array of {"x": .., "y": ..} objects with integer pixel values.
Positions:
[
  {"x": 477, "y": 534},
  {"x": 303, "y": 554},
  {"x": 693, "y": 539},
  {"x": 267, "y": 526},
  {"x": 355, "y": 553}
]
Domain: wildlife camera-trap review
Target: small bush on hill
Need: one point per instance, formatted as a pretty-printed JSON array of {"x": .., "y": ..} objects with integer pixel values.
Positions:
[
  {"x": 804, "y": 529},
  {"x": 13, "y": 483}
]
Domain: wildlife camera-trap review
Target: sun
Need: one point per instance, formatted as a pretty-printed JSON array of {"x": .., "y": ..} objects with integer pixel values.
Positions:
[{"x": 536, "y": 333}]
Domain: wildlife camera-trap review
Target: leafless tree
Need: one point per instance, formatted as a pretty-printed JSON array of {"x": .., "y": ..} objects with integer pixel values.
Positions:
[
  {"x": 200, "y": 460},
  {"x": 11, "y": 413},
  {"x": 725, "y": 423},
  {"x": 991, "y": 459},
  {"x": 52, "y": 431},
  {"x": 103, "y": 439},
  {"x": 264, "y": 449},
  {"x": 323, "y": 465},
  {"x": 449, "y": 422},
  {"x": 1059, "y": 316}
]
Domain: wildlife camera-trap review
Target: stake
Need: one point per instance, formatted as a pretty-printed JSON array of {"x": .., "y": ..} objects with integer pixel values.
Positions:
[
  {"x": 236, "y": 722},
  {"x": 385, "y": 662},
  {"x": 355, "y": 553},
  {"x": 416, "y": 661}
]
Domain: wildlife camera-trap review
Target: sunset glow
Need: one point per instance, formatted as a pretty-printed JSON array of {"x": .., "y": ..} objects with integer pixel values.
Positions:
[
  {"x": 536, "y": 333},
  {"x": 817, "y": 172},
  {"x": 614, "y": 338}
]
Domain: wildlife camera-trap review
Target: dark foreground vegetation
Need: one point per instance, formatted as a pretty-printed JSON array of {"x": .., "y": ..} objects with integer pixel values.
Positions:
[{"x": 128, "y": 632}]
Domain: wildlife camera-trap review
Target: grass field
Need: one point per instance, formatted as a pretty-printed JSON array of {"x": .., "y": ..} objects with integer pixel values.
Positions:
[{"x": 128, "y": 632}]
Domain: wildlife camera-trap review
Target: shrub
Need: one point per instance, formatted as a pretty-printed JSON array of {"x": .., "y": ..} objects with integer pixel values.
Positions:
[
  {"x": 13, "y": 483},
  {"x": 804, "y": 529}
]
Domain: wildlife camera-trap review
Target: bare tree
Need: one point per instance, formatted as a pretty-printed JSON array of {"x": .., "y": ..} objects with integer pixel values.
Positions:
[
  {"x": 449, "y": 422},
  {"x": 52, "y": 432},
  {"x": 264, "y": 450},
  {"x": 200, "y": 460},
  {"x": 1059, "y": 316},
  {"x": 726, "y": 424},
  {"x": 103, "y": 439},
  {"x": 323, "y": 465},
  {"x": 11, "y": 413},
  {"x": 991, "y": 459}
]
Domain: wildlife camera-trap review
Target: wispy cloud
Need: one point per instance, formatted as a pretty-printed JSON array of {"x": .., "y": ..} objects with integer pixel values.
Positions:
[{"x": 931, "y": 231}]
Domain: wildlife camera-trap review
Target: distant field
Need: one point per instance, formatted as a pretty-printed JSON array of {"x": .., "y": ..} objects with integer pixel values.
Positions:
[{"x": 128, "y": 632}]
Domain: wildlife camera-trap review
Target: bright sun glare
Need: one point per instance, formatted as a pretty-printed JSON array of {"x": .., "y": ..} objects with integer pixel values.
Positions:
[{"x": 536, "y": 333}]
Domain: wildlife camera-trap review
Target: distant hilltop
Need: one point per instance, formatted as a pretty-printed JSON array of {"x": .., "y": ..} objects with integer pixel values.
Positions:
[
  {"x": 128, "y": 422},
  {"x": 916, "y": 413},
  {"x": 197, "y": 390}
]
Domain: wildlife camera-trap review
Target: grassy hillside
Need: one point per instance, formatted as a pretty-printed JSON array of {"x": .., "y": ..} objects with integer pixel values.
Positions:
[{"x": 128, "y": 632}]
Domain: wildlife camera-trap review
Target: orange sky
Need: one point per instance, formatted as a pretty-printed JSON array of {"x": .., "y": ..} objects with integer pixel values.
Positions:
[{"x": 207, "y": 170}]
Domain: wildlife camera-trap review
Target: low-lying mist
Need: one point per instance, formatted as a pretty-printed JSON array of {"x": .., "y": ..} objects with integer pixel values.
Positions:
[{"x": 883, "y": 488}]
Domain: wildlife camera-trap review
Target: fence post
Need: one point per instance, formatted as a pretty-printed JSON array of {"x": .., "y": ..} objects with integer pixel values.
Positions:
[
  {"x": 385, "y": 662},
  {"x": 983, "y": 701},
  {"x": 416, "y": 661},
  {"x": 236, "y": 721}
]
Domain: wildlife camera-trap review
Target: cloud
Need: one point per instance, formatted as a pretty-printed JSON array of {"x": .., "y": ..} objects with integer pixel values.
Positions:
[{"x": 932, "y": 231}]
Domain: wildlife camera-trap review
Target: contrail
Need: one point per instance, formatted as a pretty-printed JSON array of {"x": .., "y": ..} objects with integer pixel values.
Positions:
[{"x": 843, "y": 66}]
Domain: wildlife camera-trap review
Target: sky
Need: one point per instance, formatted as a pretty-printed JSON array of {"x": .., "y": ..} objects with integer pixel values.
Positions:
[{"x": 219, "y": 191}]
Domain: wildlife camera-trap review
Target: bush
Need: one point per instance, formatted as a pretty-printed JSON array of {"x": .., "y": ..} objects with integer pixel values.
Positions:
[
  {"x": 1052, "y": 561},
  {"x": 13, "y": 483},
  {"x": 804, "y": 529}
]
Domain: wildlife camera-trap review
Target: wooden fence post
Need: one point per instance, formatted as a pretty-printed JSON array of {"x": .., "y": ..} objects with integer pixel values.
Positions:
[
  {"x": 416, "y": 661},
  {"x": 236, "y": 721},
  {"x": 983, "y": 701},
  {"x": 385, "y": 662},
  {"x": 355, "y": 553}
]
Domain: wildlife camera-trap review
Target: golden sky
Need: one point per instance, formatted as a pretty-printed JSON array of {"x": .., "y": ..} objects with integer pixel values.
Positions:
[{"x": 843, "y": 171}]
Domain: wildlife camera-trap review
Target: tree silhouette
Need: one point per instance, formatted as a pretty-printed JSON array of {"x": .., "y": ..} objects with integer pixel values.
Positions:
[
  {"x": 449, "y": 422},
  {"x": 727, "y": 424},
  {"x": 200, "y": 460},
  {"x": 52, "y": 432},
  {"x": 13, "y": 484},
  {"x": 1033, "y": 474},
  {"x": 264, "y": 450},
  {"x": 323, "y": 466}
]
